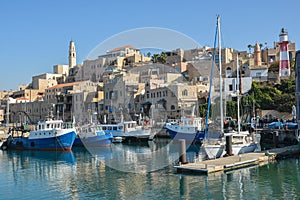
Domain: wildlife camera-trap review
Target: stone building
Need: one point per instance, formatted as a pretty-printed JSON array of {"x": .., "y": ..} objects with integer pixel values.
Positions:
[
  {"x": 119, "y": 92},
  {"x": 62, "y": 96},
  {"x": 173, "y": 99},
  {"x": 118, "y": 57}
]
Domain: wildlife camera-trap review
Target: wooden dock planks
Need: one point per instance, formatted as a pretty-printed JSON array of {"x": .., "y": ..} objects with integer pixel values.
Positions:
[{"x": 236, "y": 161}]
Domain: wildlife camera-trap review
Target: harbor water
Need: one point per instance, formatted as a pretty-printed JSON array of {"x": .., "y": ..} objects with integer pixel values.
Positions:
[{"x": 129, "y": 172}]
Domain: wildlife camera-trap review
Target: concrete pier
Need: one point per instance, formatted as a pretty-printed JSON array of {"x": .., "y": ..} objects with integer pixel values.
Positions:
[{"x": 238, "y": 161}]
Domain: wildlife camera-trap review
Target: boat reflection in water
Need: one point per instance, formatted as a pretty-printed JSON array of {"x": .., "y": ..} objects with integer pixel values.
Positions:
[
  {"x": 145, "y": 156},
  {"x": 61, "y": 157}
]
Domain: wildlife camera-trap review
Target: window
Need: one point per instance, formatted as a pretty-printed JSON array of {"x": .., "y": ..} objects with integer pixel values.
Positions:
[
  {"x": 172, "y": 107},
  {"x": 184, "y": 92},
  {"x": 258, "y": 74}
]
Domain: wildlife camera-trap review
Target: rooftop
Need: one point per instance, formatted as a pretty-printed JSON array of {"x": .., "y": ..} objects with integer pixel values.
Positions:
[{"x": 120, "y": 48}]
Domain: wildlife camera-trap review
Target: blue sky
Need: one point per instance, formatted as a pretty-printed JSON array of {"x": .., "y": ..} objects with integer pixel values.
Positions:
[{"x": 35, "y": 34}]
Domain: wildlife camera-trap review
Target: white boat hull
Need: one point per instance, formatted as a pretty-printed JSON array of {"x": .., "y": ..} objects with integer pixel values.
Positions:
[{"x": 217, "y": 151}]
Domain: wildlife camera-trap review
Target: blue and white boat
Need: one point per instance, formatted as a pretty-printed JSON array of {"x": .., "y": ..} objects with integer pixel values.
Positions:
[
  {"x": 53, "y": 135},
  {"x": 127, "y": 130},
  {"x": 188, "y": 128},
  {"x": 92, "y": 135}
]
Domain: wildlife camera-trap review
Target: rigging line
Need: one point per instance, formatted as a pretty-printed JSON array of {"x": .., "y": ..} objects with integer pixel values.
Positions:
[{"x": 59, "y": 142}]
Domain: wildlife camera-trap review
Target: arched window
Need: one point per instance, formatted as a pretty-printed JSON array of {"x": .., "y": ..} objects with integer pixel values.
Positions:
[
  {"x": 228, "y": 72},
  {"x": 184, "y": 92},
  {"x": 172, "y": 107}
]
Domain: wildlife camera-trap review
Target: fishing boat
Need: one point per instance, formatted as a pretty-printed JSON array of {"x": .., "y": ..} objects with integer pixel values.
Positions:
[
  {"x": 92, "y": 135},
  {"x": 127, "y": 130},
  {"x": 53, "y": 135},
  {"x": 188, "y": 128},
  {"x": 242, "y": 141}
]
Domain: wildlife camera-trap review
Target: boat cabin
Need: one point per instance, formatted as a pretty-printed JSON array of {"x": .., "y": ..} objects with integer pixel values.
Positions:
[
  {"x": 192, "y": 121},
  {"x": 122, "y": 126},
  {"x": 92, "y": 128},
  {"x": 55, "y": 124}
]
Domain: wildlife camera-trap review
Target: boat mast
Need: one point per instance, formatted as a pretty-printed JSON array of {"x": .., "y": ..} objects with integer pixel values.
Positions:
[
  {"x": 220, "y": 75},
  {"x": 238, "y": 92},
  {"x": 210, "y": 83}
]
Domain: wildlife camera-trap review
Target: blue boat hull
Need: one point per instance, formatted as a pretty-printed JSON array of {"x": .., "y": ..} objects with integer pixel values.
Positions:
[
  {"x": 96, "y": 141},
  {"x": 59, "y": 143},
  {"x": 194, "y": 138}
]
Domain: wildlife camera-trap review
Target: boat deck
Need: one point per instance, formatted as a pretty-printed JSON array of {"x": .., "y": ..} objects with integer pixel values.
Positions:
[{"x": 236, "y": 161}]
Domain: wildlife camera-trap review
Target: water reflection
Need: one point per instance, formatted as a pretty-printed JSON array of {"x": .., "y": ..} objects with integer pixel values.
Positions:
[
  {"x": 279, "y": 180},
  {"x": 144, "y": 157},
  {"x": 82, "y": 175}
]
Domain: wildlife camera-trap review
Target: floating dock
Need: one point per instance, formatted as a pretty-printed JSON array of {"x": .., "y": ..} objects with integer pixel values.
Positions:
[{"x": 237, "y": 161}]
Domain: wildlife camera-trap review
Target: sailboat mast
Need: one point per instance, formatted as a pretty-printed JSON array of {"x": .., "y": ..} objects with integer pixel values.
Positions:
[
  {"x": 210, "y": 82},
  {"x": 220, "y": 75},
  {"x": 238, "y": 92}
]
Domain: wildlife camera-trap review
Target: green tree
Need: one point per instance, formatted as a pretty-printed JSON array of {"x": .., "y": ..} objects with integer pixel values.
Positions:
[
  {"x": 203, "y": 110},
  {"x": 280, "y": 97},
  {"x": 250, "y": 47},
  {"x": 163, "y": 57},
  {"x": 154, "y": 58}
]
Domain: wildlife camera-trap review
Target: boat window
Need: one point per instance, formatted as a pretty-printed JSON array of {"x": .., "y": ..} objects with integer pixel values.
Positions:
[
  {"x": 120, "y": 127},
  {"x": 109, "y": 128},
  {"x": 104, "y": 128},
  {"x": 48, "y": 125},
  {"x": 115, "y": 128}
]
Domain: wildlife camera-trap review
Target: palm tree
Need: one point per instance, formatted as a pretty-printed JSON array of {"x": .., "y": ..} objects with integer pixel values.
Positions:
[
  {"x": 148, "y": 54},
  {"x": 155, "y": 58},
  {"x": 250, "y": 47},
  {"x": 163, "y": 57}
]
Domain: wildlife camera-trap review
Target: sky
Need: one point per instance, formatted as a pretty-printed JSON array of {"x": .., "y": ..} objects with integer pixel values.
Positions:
[{"x": 35, "y": 35}]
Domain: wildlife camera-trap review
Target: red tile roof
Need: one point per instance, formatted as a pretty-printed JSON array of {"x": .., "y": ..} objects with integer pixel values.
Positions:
[
  {"x": 64, "y": 85},
  {"x": 119, "y": 48}
]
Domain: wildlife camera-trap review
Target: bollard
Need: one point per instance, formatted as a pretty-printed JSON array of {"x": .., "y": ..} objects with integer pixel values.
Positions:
[
  {"x": 275, "y": 139},
  {"x": 182, "y": 151},
  {"x": 229, "y": 145}
]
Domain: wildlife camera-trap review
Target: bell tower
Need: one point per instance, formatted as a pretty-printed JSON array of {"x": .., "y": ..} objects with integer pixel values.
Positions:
[
  {"x": 257, "y": 55},
  {"x": 72, "y": 55}
]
